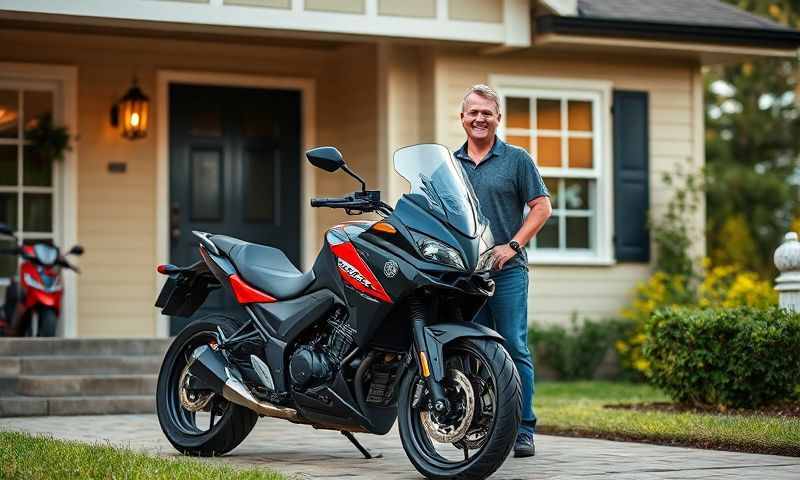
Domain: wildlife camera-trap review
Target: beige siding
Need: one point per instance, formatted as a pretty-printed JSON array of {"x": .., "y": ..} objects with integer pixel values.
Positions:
[
  {"x": 675, "y": 139},
  {"x": 342, "y": 6},
  {"x": 476, "y": 10},
  {"x": 260, "y": 3},
  {"x": 117, "y": 212},
  {"x": 407, "y": 8}
]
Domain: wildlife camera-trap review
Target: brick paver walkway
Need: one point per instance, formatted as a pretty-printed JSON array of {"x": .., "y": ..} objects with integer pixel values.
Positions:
[{"x": 314, "y": 454}]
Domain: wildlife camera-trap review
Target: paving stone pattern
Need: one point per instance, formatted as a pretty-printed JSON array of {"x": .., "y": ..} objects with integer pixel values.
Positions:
[{"x": 315, "y": 454}]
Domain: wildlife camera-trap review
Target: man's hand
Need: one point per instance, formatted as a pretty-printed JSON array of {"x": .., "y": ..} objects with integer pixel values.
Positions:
[{"x": 502, "y": 254}]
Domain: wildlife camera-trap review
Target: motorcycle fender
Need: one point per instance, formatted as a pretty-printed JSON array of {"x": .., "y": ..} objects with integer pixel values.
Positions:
[
  {"x": 440, "y": 334},
  {"x": 37, "y": 297}
]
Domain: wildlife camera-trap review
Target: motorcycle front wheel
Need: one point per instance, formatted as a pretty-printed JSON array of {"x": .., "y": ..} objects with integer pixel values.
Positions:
[{"x": 474, "y": 438}]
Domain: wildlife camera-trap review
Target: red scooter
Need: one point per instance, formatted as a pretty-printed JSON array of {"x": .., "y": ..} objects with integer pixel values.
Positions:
[{"x": 33, "y": 309}]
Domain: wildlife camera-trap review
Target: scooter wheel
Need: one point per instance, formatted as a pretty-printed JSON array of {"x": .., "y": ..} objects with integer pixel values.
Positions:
[{"x": 47, "y": 322}]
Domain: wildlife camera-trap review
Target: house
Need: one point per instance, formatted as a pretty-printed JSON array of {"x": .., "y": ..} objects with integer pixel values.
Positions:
[{"x": 606, "y": 94}]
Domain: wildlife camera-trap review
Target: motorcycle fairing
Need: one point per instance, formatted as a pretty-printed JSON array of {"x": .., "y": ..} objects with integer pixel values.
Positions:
[{"x": 440, "y": 334}]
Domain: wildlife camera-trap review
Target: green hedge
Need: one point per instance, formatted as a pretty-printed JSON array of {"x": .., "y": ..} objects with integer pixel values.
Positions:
[
  {"x": 742, "y": 357},
  {"x": 576, "y": 352}
]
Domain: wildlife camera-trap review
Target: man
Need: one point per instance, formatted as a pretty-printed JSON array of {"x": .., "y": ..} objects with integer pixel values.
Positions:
[{"x": 505, "y": 179}]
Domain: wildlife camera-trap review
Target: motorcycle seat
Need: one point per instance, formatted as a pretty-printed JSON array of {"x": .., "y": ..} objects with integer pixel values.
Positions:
[{"x": 266, "y": 268}]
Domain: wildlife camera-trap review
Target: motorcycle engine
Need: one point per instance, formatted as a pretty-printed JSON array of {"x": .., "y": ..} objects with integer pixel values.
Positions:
[{"x": 315, "y": 361}]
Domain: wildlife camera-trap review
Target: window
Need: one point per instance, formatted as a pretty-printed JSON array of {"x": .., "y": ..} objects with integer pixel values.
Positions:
[
  {"x": 564, "y": 130},
  {"x": 26, "y": 180}
]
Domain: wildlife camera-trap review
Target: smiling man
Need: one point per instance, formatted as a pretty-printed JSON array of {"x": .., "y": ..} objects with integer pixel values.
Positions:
[{"x": 505, "y": 180}]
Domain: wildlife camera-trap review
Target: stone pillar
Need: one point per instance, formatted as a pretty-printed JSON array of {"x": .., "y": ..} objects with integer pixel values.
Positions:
[{"x": 787, "y": 259}]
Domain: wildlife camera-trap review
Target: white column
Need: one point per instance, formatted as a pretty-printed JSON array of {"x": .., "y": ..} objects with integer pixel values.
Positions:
[{"x": 787, "y": 259}]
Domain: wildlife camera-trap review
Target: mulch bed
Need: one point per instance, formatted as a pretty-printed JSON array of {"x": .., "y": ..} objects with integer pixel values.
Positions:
[
  {"x": 786, "y": 450},
  {"x": 782, "y": 410}
]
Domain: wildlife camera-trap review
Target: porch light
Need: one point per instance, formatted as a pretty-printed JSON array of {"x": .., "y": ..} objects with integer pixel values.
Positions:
[{"x": 132, "y": 112}]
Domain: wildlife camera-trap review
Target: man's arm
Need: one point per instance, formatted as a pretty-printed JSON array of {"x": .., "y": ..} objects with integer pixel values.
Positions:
[{"x": 540, "y": 211}]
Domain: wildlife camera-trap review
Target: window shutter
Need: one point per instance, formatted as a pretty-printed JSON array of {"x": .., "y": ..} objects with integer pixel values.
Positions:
[{"x": 631, "y": 176}]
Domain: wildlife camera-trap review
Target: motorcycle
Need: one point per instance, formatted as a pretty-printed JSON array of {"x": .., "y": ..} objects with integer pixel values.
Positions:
[
  {"x": 339, "y": 348},
  {"x": 32, "y": 307}
]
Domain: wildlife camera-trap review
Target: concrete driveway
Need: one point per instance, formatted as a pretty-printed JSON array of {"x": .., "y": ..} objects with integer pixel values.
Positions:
[{"x": 312, "y": 454}]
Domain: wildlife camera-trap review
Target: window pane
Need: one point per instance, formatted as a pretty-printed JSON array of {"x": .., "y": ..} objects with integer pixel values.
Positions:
[
  {"x": 553, "y": 185},
  {"x": 9, "y": 113},
  {"x": 578, "y": 232},
  {"x": 8, "y": 209},
  {"x": 548, "y": 151},
  {"x": 580, "y": 116},
  {"x": 261, "y": 186},
  {"x": 8, "y": 263},
  {"x": 36, "y": 106},
  {"x": 548, "y": 235},
  {"x": 520, "y": 141},
  {"x": 518, "y": 113},
  {"x": 8, "y": 164},
  {"x": 548, "y": 114},
  {"x": 36, "y": 171},
  {"x": 37, "y": 212},
  {"x": 580, "y": 153},
  {"x": 576, "y": 194},
  {"x": 206, "y": 186}
]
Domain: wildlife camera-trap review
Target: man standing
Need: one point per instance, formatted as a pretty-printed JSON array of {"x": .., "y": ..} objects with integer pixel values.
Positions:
[{"x": 505, "y": 179}]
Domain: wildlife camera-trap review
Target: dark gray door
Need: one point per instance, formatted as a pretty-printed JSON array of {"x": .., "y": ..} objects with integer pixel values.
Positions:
[{"x": 234, "y": 170}]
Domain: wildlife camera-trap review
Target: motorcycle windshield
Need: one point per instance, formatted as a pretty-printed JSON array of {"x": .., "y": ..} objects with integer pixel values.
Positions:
[
  {"x": 47, "y": 254},
  {"x": 438, "y": 185}
]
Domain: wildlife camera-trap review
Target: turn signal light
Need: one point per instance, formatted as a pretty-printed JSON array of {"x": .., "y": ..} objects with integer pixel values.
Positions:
[{"x": 384, "y": 227}]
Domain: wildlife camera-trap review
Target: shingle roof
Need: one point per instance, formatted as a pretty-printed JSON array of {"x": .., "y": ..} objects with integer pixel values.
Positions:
[{"x": 681, "y": 12}]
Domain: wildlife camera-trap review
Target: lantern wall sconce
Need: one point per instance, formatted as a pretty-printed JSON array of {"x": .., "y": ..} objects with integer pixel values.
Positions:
[{"x": 132, "y": 112}]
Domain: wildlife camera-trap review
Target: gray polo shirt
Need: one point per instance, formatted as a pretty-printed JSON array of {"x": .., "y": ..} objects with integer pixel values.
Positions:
[{"x": 505, "y": 181}]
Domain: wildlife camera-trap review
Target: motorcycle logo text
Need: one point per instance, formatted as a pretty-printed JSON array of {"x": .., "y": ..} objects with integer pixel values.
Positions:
[{"x": 354, "y": 273}]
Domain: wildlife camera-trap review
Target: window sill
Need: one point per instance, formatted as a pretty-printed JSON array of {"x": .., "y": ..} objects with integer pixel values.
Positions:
[{"x": 587, "y": 261}]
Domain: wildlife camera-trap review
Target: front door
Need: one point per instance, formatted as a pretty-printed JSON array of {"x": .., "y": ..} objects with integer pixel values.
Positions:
[{"x": 234, "y": 170}]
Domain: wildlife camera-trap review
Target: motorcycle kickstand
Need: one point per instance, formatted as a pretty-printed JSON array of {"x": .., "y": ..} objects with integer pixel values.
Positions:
[{"x": 361, "y": 448}]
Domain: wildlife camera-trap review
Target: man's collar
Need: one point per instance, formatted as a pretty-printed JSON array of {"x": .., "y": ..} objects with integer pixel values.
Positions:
[{"x": 498, "y": 148}]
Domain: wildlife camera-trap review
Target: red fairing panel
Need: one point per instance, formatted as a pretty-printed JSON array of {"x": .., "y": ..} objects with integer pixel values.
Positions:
[
  {"x": 247, "y": 294},
  {"x": 355, "y": 272}
]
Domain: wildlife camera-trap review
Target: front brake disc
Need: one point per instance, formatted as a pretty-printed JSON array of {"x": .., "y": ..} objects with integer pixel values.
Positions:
[{"x": 452, "y": 432}]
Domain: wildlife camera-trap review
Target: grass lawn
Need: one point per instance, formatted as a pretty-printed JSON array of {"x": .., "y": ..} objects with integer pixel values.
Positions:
[
  {"x": 576, "y": 409},
  {"x": 23, "y": 456}
]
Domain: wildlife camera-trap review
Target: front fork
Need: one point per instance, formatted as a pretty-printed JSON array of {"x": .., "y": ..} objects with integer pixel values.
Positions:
[{"x": 429, "y": 357}]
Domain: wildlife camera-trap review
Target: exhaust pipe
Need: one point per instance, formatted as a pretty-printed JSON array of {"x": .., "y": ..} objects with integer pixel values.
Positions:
[{"x": 212, "y": 371}]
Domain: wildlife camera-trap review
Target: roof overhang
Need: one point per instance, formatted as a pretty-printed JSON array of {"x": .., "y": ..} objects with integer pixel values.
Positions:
[{"x": 732, "y": 41}]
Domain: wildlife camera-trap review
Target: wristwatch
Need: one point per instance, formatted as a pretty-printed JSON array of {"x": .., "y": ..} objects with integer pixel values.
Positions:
[{"x": 514, "y": 245}]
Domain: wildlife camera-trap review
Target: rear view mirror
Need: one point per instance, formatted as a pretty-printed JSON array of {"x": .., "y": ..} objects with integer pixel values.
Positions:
[
  {"x": 326, "y": 158},
  {"x": 6, "y": 230},
  {"x": 76, "y": 250}
]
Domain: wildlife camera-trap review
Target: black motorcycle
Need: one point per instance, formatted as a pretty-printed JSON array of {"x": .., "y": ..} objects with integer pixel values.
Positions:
[{"x": 339, "y": 348}]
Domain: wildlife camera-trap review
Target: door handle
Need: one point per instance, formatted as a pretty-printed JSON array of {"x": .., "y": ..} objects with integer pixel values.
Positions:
[{"x": 174, "y": 222}]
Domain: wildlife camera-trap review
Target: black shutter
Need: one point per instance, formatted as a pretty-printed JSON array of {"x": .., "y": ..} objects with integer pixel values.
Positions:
[{"x": 631, "y": 176}]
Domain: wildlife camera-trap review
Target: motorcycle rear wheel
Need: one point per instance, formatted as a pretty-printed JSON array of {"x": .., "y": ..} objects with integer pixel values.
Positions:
[
  {"x": 496, "y": 413},
  {"x": 228, "y": 423}
]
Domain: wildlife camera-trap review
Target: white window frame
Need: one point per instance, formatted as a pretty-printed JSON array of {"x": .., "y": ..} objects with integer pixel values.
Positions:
[
  {"x": 599, "y": 92},
  {"x": 63, "y": 81}
]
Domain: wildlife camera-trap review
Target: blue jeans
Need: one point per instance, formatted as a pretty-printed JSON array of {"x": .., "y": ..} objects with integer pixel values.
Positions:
[{"x": 507, "y": 313}]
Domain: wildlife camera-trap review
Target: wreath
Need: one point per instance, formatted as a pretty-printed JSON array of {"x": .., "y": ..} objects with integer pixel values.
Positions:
[{"x": 50, "y": 141}]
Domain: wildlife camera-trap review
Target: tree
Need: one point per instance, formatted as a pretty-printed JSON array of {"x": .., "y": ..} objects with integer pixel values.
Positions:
[{"x": 752, "y": 150}]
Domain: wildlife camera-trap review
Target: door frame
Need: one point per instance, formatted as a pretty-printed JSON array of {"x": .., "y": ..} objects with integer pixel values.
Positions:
[
  {"x": 307, "y": 89},
  {"x": 65, "y": 173}
]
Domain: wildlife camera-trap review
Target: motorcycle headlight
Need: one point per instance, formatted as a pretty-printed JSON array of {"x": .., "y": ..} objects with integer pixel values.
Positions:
[
  {"x": 32, "y": 282},
  {"x": 486, "y": 245},
  {"x": 439, "y": 252}
]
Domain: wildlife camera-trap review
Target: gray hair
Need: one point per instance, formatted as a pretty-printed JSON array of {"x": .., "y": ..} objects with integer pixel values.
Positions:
[{"x": 484, "y": 91}]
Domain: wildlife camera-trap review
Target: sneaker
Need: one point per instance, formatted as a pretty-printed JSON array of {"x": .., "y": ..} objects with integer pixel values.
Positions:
[{"x": 524, "y": 446}]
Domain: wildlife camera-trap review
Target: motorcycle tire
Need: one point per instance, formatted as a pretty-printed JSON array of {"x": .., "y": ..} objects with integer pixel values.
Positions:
[
  {"x": 47, "y": 322},
  {"x": 500, "y": 433},
  {"x": 177, "y": 423}
]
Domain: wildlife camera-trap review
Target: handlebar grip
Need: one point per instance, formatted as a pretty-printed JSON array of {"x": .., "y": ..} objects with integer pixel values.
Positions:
[{"x": 320, "y": 202}]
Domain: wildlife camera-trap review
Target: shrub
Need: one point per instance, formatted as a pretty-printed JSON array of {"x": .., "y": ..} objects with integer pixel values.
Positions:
[
  {"x": 576, "y": 352},
  {"x": 742, "y": 357},
  {"x": 728, "y": 287}
]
